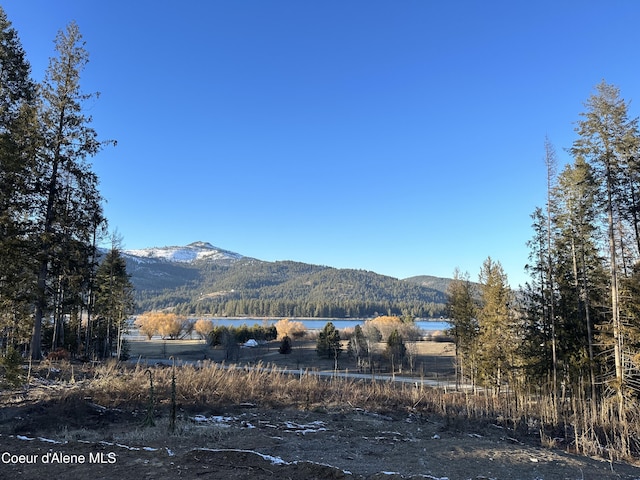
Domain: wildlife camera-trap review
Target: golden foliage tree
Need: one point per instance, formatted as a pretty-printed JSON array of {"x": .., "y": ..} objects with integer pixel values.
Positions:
[
  {"x": 288, "y": 328},
  {"x": 386, "y": 324},
  {"x": 165, "y": 324},
  {"x": 203, "y": 327}
]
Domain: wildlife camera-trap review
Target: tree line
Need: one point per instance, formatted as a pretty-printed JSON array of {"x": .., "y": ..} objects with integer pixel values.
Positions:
[
  {"x": 573, "y": 332},
  {"x": 327, "y": 308},
  {"x": 54, "y": 290}
]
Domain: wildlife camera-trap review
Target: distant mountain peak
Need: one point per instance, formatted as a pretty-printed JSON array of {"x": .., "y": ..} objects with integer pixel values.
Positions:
[
  {"x": 200, "y": 244},
  {"x": 184, "y": 254}
]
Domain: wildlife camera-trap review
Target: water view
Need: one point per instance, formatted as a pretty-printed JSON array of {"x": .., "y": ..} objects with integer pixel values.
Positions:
[{"x": 319, "y": 323}]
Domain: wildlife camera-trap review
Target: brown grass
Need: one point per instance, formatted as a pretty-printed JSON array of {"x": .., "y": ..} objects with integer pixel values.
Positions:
[
  {"x": 575, "y": 424},
  {"x": 267, "y": 386}
]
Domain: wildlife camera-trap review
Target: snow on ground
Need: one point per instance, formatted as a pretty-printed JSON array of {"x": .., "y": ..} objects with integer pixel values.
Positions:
[
  {"x": 286, "y": 426},
  {"x": 186, "y": 254}
]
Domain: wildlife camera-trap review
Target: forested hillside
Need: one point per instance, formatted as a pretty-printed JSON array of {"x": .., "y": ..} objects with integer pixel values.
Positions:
[
  {"x": 436, "y": 283},
  {"x": 256, "y": 288}
]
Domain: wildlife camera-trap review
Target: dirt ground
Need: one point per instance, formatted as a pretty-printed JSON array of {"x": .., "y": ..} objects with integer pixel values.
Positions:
[
  {"x": 71, "y": 437},
  {"x": 244, "y": 442}
]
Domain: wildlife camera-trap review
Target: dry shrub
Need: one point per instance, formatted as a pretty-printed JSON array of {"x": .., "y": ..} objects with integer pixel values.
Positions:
[
  {"x": 387, "y": 324},
  {"x": 286, "y": 327}
]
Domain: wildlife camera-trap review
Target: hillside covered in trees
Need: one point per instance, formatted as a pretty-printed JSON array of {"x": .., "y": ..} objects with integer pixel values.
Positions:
[{"x": 250, "y": 287}]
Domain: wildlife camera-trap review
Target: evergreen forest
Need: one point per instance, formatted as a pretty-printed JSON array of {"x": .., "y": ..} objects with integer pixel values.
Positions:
[
  {"x": 56, "y": 291},
  {"x": 572, "y": 333}
]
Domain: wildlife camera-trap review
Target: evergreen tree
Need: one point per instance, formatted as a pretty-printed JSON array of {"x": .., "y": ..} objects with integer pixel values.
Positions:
[
  {"x": 328, "y": 345},
  {"x": 285, "y": 346},
  {"x": 70, "y": 202},
  {"x": 496, "y": 336},
  {"x": 18, "y": 142},
  {"x": 461, "y": 309},
  {"x": 608, "y": 140},
  {"x": 541, "y": 318},
  {"x": 396, "y": 350},
  {"x": 537, "y": 346},
  {"x": 580, "y": 274},
  {"x": 566, "y": 279},
  {"x": 358, "y": 347},
  {"x": 113, "y": 303},
  {"x": 548, "y": 287}
]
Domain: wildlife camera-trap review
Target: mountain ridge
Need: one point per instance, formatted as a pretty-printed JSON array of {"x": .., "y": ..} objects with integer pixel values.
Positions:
[
  {"x": 184, "y": 254},
  {"x": 201, "y": 278}
]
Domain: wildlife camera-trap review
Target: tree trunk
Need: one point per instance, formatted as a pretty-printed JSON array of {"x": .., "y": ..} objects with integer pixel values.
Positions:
[
  {"x": 41, "y": 303},
  {"x": 615, "y": 308}
]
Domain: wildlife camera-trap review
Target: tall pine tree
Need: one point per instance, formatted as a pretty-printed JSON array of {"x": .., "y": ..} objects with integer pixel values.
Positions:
[
  {"x": 462, "y": 311},
  {"x": 497, "y": 336},
  {"x": 69, "y": 202},
  {"x": 607, "y": 140},
  {"x": 113, "y": 304},
  {"x": 18, "y": 141}
]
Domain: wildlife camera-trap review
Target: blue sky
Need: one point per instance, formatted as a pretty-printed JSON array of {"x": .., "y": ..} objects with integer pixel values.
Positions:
[{"x": 402, "y": 137}]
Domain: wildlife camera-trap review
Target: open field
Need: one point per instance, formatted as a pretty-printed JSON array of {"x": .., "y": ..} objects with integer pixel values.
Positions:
[
  {"x": 81, "y": 421},
  {"x": 432, "y": 359}
]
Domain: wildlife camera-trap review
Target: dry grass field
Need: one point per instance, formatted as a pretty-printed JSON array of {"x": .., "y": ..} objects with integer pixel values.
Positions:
[
  {"x": 205, "y": 419},
  {"x": 432, "y": 359}
]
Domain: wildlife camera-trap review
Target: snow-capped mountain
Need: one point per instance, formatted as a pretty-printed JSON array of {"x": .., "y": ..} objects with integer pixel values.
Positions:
[
  {"x": 187, "y": 254},
  {"x": 201, "y": 277}
]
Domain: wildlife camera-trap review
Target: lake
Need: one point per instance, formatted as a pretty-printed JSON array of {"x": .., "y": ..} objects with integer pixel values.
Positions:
[
  {"x": 319, "y": 323},
  {"x": 428, "y": 326}
]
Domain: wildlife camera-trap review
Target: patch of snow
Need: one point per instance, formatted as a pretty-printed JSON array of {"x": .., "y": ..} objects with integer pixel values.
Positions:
[
  {"x": 112, "y": 444},
  {"x": 298, "y": 462},
  {"x": 187, "y": 254},
  {"x": 48, "y": 440},
  {"x": 218, "y": 419},
  {"x": 313, "y": 427},
  {"x": 269, "y": 458},
  {"x": 22, "y": 437}
]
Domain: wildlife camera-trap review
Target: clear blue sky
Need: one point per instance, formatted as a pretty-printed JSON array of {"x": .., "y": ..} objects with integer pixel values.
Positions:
[{"x": 403, "y": 137}]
